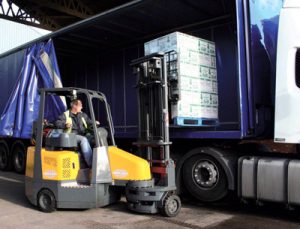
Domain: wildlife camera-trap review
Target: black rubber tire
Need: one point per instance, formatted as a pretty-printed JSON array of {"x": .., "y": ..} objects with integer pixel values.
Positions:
[
  {"x": 19, "y": 157},
  {"x": 46, "y": 201},
  {"x": 5, "y": 159},
  {"x": 171, "y": 206},
  {"x": 205, "y": 194}
]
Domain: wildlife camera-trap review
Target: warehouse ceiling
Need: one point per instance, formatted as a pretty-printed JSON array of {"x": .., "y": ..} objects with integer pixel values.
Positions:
[{"x": 53, "y": 14}]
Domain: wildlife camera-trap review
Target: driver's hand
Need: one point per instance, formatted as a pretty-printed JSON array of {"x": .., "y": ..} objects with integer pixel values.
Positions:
[{"x": 68, "y": 125}]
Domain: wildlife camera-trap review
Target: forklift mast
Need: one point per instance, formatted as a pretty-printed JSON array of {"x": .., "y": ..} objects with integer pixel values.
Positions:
[
  {"x": 159, "y": 193},
  {"x": 153, "y": 140}
]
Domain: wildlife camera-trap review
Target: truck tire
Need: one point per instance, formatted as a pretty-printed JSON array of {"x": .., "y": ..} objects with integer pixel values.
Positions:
[
  {"x": 205, "y": 178},
  {"x": 19, "y": 157},
  {"x": 5, "y": 160}
]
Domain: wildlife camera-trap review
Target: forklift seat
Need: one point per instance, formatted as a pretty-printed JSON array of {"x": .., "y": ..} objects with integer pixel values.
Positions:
[{"x": 57, "y": 139}]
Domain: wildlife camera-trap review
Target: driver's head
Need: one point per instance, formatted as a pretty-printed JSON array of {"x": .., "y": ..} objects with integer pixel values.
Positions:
[{"x": 76, "y": 106}]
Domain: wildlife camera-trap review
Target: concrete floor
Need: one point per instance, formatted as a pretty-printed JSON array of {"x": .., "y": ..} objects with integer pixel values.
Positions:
[{"x": 16, "y": 212}]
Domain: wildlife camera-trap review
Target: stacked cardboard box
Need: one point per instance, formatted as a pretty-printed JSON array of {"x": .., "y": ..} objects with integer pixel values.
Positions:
[{"x": 197, "y": 74}]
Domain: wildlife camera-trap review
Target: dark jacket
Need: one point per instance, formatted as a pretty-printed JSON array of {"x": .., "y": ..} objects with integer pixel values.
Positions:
[{"x": 77, "y": 123}]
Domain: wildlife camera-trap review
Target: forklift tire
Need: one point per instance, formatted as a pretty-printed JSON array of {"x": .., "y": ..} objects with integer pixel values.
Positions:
[
  {"x": 5, "y": 160},
  {"x": 19, "y": 157},
  {"x": 205, "y": 178},
  {"x": 171, "y": 206},
  {"x": 46, "y": 201}
]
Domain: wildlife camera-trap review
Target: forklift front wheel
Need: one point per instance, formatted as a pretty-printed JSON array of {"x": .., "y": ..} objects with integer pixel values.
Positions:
[
  {"x": 46, "y": 201},
  {"x": 171, "y": 206}
]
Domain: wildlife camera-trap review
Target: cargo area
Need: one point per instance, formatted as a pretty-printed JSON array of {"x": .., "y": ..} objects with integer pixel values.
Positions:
[{"x": 96, "y": 54}]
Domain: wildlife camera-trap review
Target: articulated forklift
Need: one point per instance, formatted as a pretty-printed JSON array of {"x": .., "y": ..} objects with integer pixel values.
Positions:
[{"x": 55, "y": 177}]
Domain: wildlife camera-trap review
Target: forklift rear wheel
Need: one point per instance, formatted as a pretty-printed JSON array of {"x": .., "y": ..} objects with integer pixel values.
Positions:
[
  {"x": 171, "y": 206},
  {"x": 5, "y": 162},
  {"x": 19, "y": 157},
  {"x": 46, "y": 201}
]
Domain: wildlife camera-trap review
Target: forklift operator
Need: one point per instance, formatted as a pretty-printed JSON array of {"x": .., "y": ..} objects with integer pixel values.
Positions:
[{"x": 76, "y": 121}]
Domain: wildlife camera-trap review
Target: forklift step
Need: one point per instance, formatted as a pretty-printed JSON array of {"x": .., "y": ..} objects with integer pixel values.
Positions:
[
  {"x": 190, "y": 121},
  {"x": 74, "y": 185}
]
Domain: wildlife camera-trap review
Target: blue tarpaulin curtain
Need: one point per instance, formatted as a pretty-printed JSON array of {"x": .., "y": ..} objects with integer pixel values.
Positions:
[{"x": 40, "y": 70}]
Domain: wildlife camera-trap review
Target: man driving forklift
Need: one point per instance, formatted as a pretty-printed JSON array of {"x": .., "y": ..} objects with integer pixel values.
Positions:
[
  {"x": 53, "y": 173},
  {"x": 78, "y": 122}
]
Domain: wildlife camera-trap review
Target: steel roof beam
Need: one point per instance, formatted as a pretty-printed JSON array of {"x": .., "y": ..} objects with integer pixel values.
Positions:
[
  {"x": 71, "y": 7},
  {"x": 27, "y": 15}
]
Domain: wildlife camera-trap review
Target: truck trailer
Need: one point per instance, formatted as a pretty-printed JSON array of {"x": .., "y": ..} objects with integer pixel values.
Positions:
[{"x": 257, "y": 63}]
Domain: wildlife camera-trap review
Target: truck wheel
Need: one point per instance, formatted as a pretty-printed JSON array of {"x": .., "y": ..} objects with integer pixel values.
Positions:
[
  {"x": 5, "y": 162},
  {"x": 204, "y": 178},
  {"x": 171, "y": 206},
  {"x": 19, "y": 156},
  {"x": 46, "y": 201}
]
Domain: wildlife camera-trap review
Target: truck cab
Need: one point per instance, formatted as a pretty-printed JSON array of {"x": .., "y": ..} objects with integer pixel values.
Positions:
[{"x": 287, "y": 108}]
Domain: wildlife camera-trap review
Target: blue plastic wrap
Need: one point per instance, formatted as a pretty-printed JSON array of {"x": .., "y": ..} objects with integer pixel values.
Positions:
[{"x": 39, "y": 69}]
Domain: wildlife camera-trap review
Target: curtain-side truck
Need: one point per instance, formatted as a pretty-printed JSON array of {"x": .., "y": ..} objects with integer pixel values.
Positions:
[{"x": 258, "y": 65}]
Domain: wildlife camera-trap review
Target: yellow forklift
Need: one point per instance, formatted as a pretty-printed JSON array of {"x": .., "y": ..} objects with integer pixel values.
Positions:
[{"x": 55, "y": 177}]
